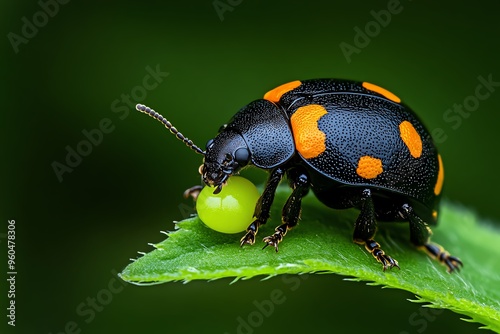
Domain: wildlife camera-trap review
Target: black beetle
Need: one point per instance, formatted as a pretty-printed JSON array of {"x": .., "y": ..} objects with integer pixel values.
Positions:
[{"x": 353, "y": 143}]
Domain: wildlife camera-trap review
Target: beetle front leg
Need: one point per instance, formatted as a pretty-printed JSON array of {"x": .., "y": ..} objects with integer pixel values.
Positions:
[
  {"x": 364, "y": 232},
  {"x": 420, "y": 236},
  {"x": 300, "y": 184},
  {"x": 263, "y": 206},
  {"x": 192, "y": 192}
]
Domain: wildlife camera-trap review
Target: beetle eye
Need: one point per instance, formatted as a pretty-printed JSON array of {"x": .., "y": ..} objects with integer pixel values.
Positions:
[
  {"x": 209, "y": 144},
  {"x": 242, "y": 156}
]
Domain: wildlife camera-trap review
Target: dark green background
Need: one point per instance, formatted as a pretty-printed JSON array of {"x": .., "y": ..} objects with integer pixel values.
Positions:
[{"x": 72, "y": 234}]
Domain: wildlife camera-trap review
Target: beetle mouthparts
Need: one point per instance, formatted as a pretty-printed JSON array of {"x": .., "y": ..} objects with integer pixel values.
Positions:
[{"x": 217, "y": 189}]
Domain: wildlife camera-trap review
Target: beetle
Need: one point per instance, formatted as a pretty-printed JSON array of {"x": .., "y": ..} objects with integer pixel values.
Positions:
[{"x": 354, "y": 144}]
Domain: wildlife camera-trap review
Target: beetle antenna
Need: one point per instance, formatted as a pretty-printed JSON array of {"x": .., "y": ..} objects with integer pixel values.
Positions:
[{"x": 189, "y": 143}]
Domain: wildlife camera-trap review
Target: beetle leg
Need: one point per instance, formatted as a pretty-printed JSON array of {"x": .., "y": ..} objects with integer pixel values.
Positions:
[
  {"x": 299, "y": 182},
  {"x": 420, "y": 236},
  {"x": 364, "y": 231},
  {"x": 263, "y": 206},
  {"x": 192, "y": 192}
]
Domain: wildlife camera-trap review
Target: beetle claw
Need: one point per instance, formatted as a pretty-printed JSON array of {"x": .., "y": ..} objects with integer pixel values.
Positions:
[
  {"x": 387, "y": 262},
  {"x": 248, "y": 238},
  {"x": 439, "y": 253},
  {"x": 374, "y": 248},
  {"x": 273, "y": 240},
  {"x": 453, "y": 263},
  {"x": 252, "y": 229}
]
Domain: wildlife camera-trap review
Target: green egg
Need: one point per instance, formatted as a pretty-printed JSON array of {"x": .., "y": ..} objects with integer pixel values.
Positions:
[{"x": 231, "y": 210}]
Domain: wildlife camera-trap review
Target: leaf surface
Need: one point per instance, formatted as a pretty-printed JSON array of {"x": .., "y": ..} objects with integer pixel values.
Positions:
[{"x": 322, "y": 243}]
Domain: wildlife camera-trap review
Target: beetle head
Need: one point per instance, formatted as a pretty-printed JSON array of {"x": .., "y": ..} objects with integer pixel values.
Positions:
[{"x": 225, "y": 155}]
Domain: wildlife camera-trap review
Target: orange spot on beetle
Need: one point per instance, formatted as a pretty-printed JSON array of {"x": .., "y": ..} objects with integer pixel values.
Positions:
[
  {"x": 440, "y": 179},
  {"x": 275, "y": 94},
  {"x": 411, "y": 138},
  {"x": 381, "y": 91},
  {"x": 309, "y": 139},
  {"x": 369, "y": 167},
  {"x": 434, "y": 214}
]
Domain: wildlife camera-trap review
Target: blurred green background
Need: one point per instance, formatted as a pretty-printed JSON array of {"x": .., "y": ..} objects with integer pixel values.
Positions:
[{"x": 79, "y": 66}]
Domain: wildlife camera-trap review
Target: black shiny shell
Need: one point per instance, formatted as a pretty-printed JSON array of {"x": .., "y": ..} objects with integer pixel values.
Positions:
[{"x": 361, "y": 122}]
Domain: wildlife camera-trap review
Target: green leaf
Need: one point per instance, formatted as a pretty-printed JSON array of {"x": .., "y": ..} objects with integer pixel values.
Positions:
[{"x": 322, "y": 243}]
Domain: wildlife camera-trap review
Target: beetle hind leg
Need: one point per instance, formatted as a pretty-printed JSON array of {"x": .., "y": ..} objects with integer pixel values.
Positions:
[
  {"x": 420, "y": 236},
  {"x": 365, "y": 229}
]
